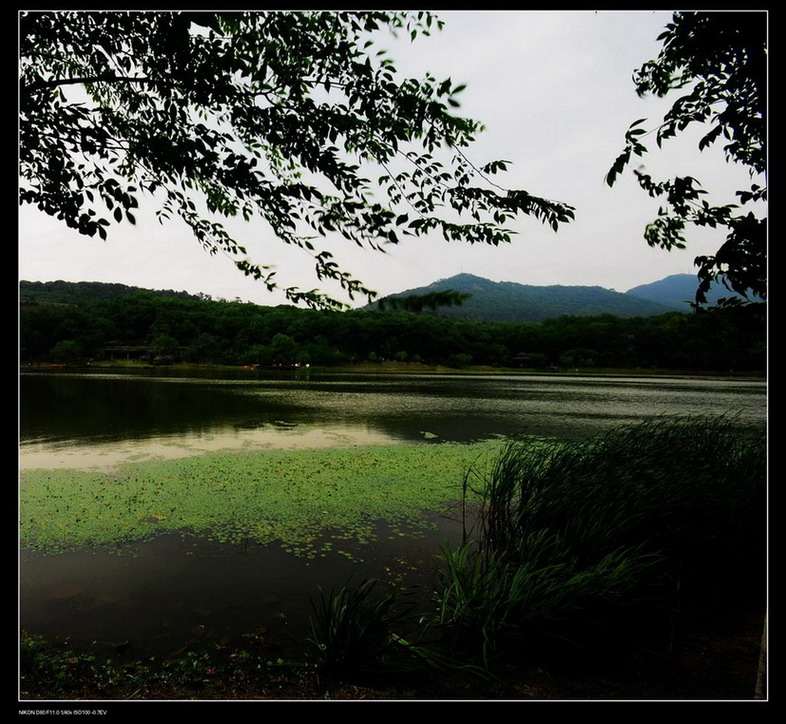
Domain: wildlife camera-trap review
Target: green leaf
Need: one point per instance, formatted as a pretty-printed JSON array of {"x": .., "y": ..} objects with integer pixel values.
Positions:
[{"x": 249, "y": 74}]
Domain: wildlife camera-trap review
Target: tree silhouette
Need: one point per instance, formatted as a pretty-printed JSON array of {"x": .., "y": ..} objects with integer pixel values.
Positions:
[
  {"x": 720, "y": 59},
  {"x": 292, "y": 117}
]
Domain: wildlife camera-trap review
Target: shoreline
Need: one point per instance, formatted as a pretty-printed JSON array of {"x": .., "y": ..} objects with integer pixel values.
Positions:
[{"x": 413, "y": 368}]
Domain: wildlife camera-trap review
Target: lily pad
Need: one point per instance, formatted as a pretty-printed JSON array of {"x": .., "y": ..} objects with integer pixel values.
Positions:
[{"x": 307, "y": 500}]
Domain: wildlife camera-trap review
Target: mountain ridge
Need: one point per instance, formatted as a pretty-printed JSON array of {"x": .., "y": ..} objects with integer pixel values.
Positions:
[
  {"x": 515, "y": 302},
  {"x": 680, "y": 290},
  {"x": 489, "y": 301}
]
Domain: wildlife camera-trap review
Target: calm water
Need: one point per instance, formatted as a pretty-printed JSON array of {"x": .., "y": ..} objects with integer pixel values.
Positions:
[
  {"x": 69, "y": 417},
  {"x": 160, "y": 594}
]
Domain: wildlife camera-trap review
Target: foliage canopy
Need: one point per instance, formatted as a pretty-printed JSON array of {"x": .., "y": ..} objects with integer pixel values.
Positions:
[
  {"x": 294, "y": 117},
  {"x": 720, "y": 58}
]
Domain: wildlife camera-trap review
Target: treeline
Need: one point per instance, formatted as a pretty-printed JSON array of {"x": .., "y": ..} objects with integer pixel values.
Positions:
[
  {"x": 60, "y": 292},
  {"x": 237, "y": 333}
]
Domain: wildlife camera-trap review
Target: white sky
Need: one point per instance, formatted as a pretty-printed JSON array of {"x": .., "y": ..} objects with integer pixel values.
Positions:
[{"x": 553, "y": 89}]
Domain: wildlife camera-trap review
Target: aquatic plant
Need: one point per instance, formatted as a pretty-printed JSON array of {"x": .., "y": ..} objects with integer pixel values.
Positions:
[
  {"x": 605, "y": 533},
  {"x": 690, "y": 489},
  {"x": 490, "y": 604},
  {"x": 353, "y": 628},
  {"x": 309, "y": 501},
  {"x": 361, "y": 630}
]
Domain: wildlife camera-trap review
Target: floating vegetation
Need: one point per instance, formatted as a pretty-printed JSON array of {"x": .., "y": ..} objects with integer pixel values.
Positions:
[{"x": 306, "y": 500}]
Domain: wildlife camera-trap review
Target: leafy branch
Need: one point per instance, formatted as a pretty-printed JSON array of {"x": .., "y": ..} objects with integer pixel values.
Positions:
[
  {"x": 721, "y": 58},
  {"x": 275, "y": 115}
]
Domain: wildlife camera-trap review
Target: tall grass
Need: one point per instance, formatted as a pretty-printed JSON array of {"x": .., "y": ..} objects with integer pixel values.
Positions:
[
  {"x": 667, "y": 512},
  {"x": 690, "y": 489},
  {"x": 361, "y": 630},
  {"x": 490, "y": 603},
  {"x": 352, "y": 628}
]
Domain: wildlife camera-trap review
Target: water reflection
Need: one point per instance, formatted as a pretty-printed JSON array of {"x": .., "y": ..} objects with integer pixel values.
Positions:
[
  {"x": 174, "y": 589},
  {"x": 71, "y": 410},
  {"x": 108, "y": 455}
]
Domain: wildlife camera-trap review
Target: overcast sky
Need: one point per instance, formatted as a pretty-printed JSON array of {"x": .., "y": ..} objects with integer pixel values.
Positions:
[{"x": 553, "y": 89}]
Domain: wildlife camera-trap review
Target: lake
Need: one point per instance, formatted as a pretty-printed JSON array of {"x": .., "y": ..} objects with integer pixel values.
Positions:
[{"x": 107, "y": 456}]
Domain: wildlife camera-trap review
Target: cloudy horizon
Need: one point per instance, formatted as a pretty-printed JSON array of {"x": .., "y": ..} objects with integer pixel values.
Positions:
[{"x": 554, "y": 92}]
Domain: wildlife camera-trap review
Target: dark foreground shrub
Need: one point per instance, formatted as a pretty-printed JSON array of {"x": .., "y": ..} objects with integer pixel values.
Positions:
[
  {"x": 572, "y": 536},
  {"x": 491, "y": 603},
  {"x": 360, "y": 630}
]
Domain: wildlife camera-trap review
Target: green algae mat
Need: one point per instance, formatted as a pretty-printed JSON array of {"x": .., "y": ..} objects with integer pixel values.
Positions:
[{"x": 309, "y": 501}]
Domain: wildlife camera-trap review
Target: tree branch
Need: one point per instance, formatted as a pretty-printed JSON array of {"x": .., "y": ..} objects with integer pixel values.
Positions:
[{"x": 43, "y": 85}]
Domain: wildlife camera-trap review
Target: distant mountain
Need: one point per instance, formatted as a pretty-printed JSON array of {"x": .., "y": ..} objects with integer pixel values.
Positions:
[
  {"x": 678, "y": 291},
  {"x": 61, "y": 292},
  {"x": 512, "y": 302}
]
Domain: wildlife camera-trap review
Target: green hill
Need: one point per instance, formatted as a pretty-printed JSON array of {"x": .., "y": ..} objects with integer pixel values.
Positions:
[
  {"x": 679, "y": 290},
  {"x": 61, "y": 292},
  {"x": 59, "y": 323},
  {"x": 512, "y": 302}
]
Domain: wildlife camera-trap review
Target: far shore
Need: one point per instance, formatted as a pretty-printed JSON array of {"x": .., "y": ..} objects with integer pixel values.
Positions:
[{"x": 393, "y": 367}]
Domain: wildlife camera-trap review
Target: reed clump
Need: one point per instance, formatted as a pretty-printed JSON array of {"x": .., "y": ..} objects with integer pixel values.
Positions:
[
  {"x": 353, "y": 630},
  {"x": 591, "y": 540}
]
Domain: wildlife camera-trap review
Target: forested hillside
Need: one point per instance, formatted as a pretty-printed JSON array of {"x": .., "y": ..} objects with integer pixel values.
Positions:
[
  {"x": 512, "y": 302},
  {"x": 679, "y": 291},
  {"x": 61, "y": 292},
  {"x": 198, "y": 330}
]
